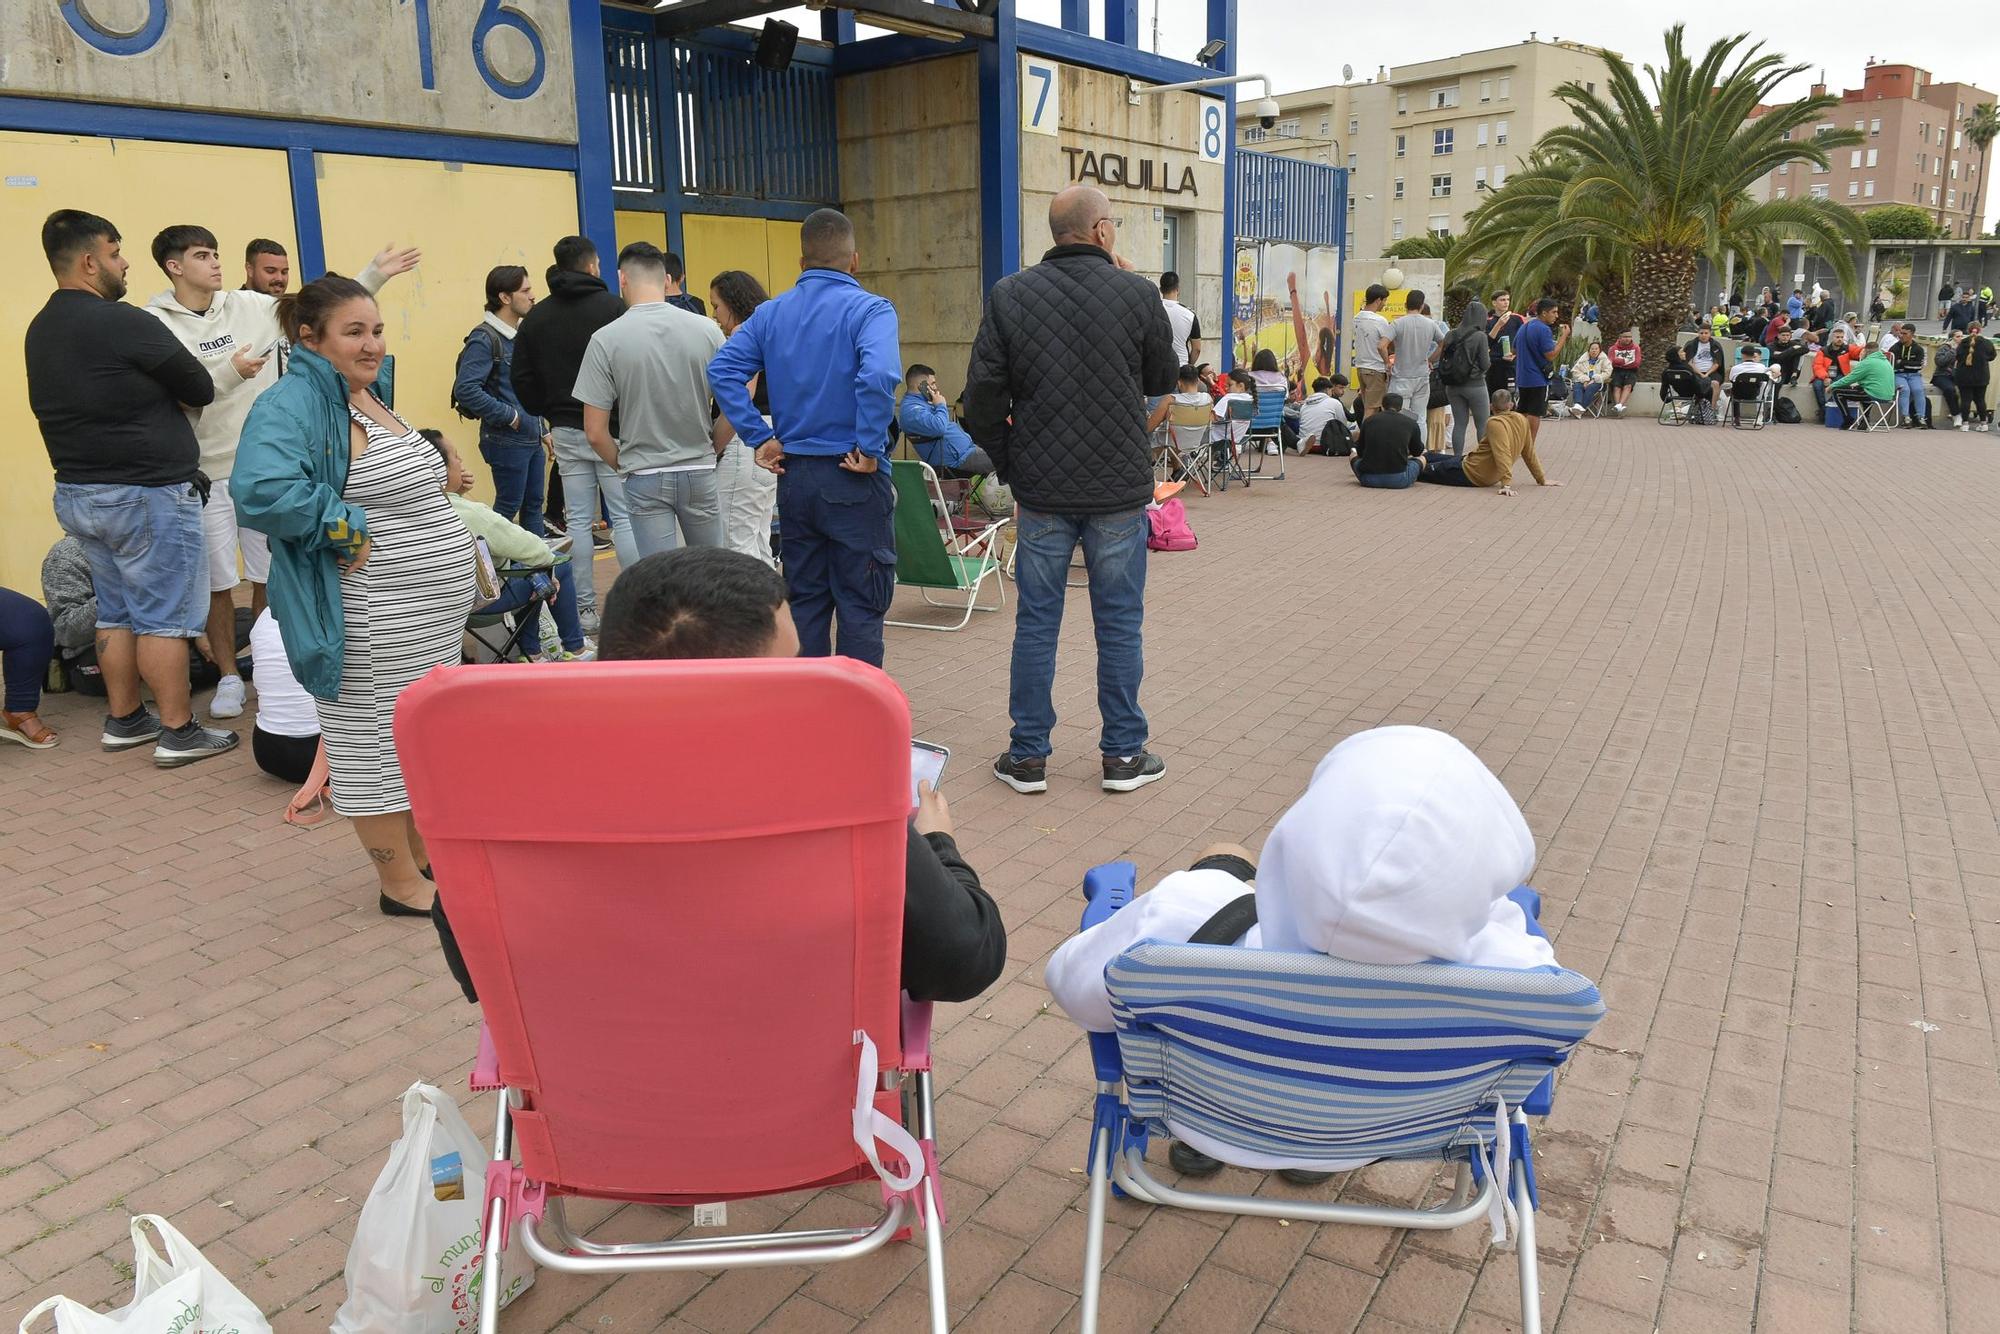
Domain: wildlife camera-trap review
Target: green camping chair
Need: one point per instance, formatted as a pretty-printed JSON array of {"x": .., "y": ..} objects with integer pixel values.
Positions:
[{"x": 928, "y": 557}]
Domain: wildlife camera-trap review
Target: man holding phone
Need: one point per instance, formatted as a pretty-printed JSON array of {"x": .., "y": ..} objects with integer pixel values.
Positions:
[
  {"x": 938, "y": 440},
  {"x": 233, "y": 333}
]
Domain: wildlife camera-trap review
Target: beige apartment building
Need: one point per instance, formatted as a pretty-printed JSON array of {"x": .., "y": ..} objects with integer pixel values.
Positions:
[
  {"x": 1423, "y": 143},
  {"x": 1915, "y": 151}
]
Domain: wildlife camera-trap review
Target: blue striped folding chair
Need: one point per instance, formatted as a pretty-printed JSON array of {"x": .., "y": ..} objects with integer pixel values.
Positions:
[{"x": 1280, "y": 1059}]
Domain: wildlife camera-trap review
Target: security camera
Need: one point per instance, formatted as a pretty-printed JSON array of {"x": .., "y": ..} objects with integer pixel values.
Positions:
[{"x": 1267, "y": 113}]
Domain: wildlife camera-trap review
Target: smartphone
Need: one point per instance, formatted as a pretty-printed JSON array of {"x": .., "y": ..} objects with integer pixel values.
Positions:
[{"x": 927, "y": 763}]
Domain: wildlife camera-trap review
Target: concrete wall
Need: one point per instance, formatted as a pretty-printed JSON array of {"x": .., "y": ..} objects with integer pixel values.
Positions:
[
  {"x": 1164, "y": 129},
  {"x": 909, "y": 177},
  {"x": 359, "y": 61}
]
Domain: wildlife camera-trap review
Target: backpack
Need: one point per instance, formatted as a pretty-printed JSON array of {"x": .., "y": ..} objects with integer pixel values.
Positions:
[
  {"x": 1786, "y": 413},
  {"x": 1457, "y": 366},
  {"x": 486, "y": 384},
  {"x": 1169, "y": 524},
  {"x": 1336, "y": 440}
]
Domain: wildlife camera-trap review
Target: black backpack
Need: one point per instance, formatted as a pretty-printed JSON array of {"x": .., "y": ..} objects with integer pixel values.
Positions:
[
  {"x": 1456, "y": 366},
  {"x": 1786, "y": 413},
  {"x": 486, "y": 384}
]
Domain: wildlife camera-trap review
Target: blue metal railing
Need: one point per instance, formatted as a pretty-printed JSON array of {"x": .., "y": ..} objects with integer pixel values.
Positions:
[
  {"x": 635, "y": 110},
  {"x": 753, "y": 133},
  {"x": 1290, "y": 200}
]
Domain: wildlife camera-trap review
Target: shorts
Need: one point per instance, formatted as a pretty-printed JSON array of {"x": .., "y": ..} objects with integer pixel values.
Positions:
[
  {"x": 1531, "y": 401},
  {"x": 225, "y": 541},
  {"x": 147, "y": 562},
  {"x": 1374, "y": 384},
  {"x": 1623, "y": 379}
]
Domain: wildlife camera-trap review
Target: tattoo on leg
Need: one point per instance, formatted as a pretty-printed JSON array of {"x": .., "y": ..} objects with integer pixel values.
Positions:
[
  {"x": 382, "y": 856},
  {"x": 103, "y": 643}
]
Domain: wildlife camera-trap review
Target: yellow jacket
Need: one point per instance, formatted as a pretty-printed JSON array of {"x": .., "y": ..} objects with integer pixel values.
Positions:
[{"x": 1507, "y": 439}]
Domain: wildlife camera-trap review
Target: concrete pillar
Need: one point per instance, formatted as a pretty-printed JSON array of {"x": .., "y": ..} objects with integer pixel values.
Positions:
[
  {"x": 1728, "y": 274},
  {"x": 1860, "y": 307}
]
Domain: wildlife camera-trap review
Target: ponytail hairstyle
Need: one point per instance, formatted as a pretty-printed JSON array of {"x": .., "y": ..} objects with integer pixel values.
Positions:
[{"x": 313, "y": 305}]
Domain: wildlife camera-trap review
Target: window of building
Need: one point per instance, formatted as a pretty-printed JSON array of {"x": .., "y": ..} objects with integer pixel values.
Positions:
[
  {"x": 1353, "y": 161},
  {"x": 1499, "y": 176},
  {"x": 1443, "y": 99},
  {"x": 1937, "y": 166},
  {"x": 1785, "y": 169},
  {"x": 1440, "y": 225},
  {"x": 1920, "y": 162},
  {"x": 1399, "y": 188},
  {"x": 1482, "y": 135},
  {"x": 1781, "y": 192},
  {"x": 1818, "y": 170},
  {"x": 1957, "y": 140},
  {"x": 1500, "y": 133},
  {"x": 1951, "y": 199},
  {"x": 1352, "y": 200},
  {"x": 1253, "y": 133},
  {"x": 1940, "y": 136},
  {"x": 1854, "y": 189},
  {"x": 1402, "y": 104},
  {"x": 1478, "y": 178},
  {"x": 1853, "y": 159},
  {"x": 1871, "y": 157},
  {"x": 1589, "y": 87},
  {"x": 1819, "y": 192},
  {"x": 1506, "y": 85},
  {"x": 1402, "y": 145},
  {"x": 1874, "y": 128},
  {"x": 1923, "y": 129},
  {"x": 1440, "y": 142},
  {"x": 1354, "y": 125},
  {"x": 1289, "y": 128},
  {"x": 1934, "y": 195},
  {"x": 1868, "y": 189},
  {"x": 1486, "y": 90},
  {"x": 1395, "y": 229},
  {"x": 1823, "y": 128},
  {"x": 1325, "y": 126},
  {"x": 1441, "y": 187},
  {"x": 1954, "y": 169}
]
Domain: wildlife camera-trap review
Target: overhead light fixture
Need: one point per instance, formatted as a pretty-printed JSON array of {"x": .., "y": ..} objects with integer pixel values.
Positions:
[
  {"x": 908, "y": 27},
  {"x": 1209, "y": 52}
]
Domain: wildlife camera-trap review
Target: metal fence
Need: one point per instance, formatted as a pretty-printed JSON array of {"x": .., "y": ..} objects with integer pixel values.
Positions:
[{"x": 1290, "y": 200}]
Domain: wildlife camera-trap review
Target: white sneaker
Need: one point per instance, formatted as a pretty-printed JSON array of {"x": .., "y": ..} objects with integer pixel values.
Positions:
[
  {"x": 1578, "y": 410},
  {"x": 228, "y": 701},
  {"x": 1618, "y": 408}
]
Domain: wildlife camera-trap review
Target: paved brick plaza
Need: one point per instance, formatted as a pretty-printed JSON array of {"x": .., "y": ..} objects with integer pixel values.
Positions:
[{"x": 1744, "y": 686}]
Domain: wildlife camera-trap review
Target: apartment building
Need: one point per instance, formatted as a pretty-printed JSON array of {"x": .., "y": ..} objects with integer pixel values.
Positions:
[
  {"x": 1423, "y": 143},
  {"x": 1915, "y": 151}
]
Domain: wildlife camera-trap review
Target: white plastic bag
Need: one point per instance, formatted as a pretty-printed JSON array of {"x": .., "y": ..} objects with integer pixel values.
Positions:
[
  {"x": 180, "y": 1293},
  {"x": 414, "y": 1267}
]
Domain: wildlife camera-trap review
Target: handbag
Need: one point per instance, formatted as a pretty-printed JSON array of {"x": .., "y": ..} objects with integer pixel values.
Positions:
[
  {"x": 1168, "y": 528},
  {"x": 483, "y": 572}
]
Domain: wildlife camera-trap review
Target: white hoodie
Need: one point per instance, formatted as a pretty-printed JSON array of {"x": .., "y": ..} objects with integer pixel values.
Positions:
[
  {"x": 237, "y": 320},
  {"x": 1402, "y": 850}
]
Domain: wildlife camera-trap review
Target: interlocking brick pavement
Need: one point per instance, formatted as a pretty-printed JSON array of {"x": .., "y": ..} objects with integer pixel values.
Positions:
[{"x": 1744, "y": 686}]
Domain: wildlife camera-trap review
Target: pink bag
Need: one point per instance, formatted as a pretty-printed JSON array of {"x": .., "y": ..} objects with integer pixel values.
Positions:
[{"x": 1170, "y": 530}]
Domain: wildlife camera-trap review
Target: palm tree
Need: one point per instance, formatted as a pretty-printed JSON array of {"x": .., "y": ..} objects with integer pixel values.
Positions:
[
  {"x": 1981, "y": 128},
  {"x": 1498, "y": 247},
  {"x": 1641, "y": 186}
]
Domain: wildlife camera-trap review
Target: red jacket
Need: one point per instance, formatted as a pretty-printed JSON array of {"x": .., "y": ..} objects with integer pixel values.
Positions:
[{"x": 1824, "y": 369}]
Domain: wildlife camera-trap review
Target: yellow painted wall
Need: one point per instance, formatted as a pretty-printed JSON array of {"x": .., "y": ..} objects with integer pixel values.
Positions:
[
  {"x": 637, "y": 225},
  {"x": 467, "y": 218},
  {"x": 767, "y": 250},
  {"x": 141, "y": 186}
]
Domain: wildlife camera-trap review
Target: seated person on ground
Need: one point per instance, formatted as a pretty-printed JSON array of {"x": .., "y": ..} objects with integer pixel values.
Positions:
[
  {"x": 1507, "y": 438},
  {"x": 1748, "y": 379},
  {"x": 925, "y": 418},
  {"x": 1389, "y": 453},
  {"x": 510, "y": 543},
  {"x": 285, "y": 738},
  {"x": 1321, "y": 408},
  {"x": 710, "y": 602},
  {"x": 1402, "y": 850},
  {"x": 1872, "y": 380}
]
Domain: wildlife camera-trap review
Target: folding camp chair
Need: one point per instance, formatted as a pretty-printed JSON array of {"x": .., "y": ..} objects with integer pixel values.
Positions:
[
  {"x": 1187, "y": 455},
  {"x": 928, "y": 558},
  {"x": 1231, "y": 452},
  {"x": 1308, "y": 1058},
  {"x": 1267, "y": 431},
  {"x": 500, "y": 633},
  {"x": 690, "y": 983},
  {"x": 1756, "y": 394},
  {"x": 1877, "y": 414},
  {"x": 1683, "y": 401}
]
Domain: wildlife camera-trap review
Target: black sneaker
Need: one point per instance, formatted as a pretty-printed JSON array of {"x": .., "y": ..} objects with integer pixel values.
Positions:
[
  {"x": 185, "y": 745},
  {"x": 1191, "y": 1162},
  {"x": 600, "y": 540},
  {"x": 1133, "y": 771},
  {"x": 1298, "y": 1176},
  {"x": 1022, "y": 775},
  {"x": 125, "y": 733}
]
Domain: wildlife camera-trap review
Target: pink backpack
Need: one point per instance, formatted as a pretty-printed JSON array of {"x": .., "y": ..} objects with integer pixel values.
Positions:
[{"x": 1170, "y": 527}]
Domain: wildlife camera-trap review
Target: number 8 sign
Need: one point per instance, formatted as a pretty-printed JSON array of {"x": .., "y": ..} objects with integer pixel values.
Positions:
[{"x": 1214, "y": 138}]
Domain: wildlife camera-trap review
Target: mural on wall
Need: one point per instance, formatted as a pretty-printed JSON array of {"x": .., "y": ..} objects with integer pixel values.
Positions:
[
  {"x": 499, "y": 67},
  {"x": 1285, "y": 305}
]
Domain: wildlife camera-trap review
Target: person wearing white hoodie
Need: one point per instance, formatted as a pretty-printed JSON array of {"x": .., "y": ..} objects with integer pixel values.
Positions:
[
  {"x": 233, "y": 333},
  {"x": 1402, "y": 850}
]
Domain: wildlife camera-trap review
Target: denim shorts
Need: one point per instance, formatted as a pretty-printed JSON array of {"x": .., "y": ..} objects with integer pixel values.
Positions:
[{"x": 148, "y": 559}]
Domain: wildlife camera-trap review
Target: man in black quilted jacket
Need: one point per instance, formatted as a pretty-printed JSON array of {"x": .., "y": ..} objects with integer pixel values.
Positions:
[{"x": 1056, "y": 394}]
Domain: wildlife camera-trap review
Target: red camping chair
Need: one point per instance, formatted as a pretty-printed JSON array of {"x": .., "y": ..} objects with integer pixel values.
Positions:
[{"x": 689, "y": 972}]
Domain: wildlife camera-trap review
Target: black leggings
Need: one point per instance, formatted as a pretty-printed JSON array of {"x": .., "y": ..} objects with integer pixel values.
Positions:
[
  {"x": 287, "y": 757},
  {"x": 1974, "y": 396}
]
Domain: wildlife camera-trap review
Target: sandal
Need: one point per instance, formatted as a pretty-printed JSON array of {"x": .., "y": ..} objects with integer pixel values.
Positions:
[{"x": 26, "y": 729}]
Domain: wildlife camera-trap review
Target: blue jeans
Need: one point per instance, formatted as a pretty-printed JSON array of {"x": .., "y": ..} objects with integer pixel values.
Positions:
[
  {"x": 519, "y": 485},
  {"x": 27, "y": 642},
  {"x": 148, "y": 560},
  {"x": 1388, "y": 481},
  {"x": 837, "y": 538},
  {"x": 1582, "y": 393},
  {"x": 1910, "y": 395},
  {"x": 517, "y": 593},
  {"x": 584, "y": 476},
  {"x": 1114, "y": 553},
  {"x": 673, "y": 509}
]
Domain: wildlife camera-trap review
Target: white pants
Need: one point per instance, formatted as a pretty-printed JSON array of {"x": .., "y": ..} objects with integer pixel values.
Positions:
[
  {"x": 748, "y": 498},
  {"x": 225, "y": 542},
  {"x": 1416, "y": 402}
]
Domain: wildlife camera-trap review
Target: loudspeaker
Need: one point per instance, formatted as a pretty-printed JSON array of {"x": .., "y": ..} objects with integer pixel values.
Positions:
[{"x": 775, "y": 44}]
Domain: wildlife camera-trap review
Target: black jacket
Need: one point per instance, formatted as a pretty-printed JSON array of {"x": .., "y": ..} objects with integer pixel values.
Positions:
[
  {"x": 954, "y": 944},
  {"x": 1975, "y": 359},
  {"x": 1908, "y": 360},
  {"x": 1067, "y": 353},
  {"x": 549, "y": 345}
]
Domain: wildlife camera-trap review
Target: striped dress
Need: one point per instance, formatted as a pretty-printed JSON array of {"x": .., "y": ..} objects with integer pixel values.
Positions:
[{"x": 404, "y": 611}]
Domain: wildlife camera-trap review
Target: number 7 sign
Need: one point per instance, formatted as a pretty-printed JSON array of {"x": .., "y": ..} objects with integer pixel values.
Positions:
[{"x": 1041, "y": 96}]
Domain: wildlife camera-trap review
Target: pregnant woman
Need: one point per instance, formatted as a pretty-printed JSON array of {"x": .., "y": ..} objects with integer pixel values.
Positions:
[{"x": 371, "y": 571}]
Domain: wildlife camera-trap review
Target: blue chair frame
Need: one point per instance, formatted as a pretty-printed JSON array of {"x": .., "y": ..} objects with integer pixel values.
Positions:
[
  {"x": 1119, "y": 1138},
  {"x": 1267, "y": 428}
]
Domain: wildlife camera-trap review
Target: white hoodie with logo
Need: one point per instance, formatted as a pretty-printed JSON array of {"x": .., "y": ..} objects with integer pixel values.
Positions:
[{"x": 237, "y": 320}]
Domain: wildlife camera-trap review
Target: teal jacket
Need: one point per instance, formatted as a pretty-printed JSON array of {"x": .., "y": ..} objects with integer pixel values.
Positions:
[{"x": 291, "y": 467}]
